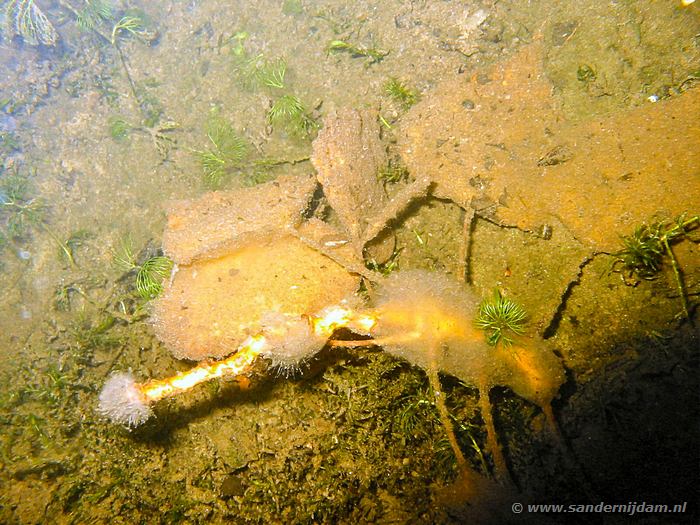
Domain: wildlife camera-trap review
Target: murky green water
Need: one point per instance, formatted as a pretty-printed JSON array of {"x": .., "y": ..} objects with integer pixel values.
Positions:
[{"x": 139, "y": 103}]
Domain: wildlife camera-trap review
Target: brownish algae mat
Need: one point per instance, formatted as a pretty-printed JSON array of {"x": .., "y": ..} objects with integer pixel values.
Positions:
[{"x": 549, "y": 165}]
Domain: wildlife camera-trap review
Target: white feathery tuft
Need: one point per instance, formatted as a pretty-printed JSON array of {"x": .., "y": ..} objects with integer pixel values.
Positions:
[
  {"x": 290, "y": 342},
  {"x": 122, "y": 402}
]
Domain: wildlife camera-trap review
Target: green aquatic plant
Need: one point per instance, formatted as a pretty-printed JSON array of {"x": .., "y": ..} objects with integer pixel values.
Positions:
[
  {"x": 225, "y": 153},
  {"x": 105, "y": 87},
  {"x": 585, "y": 73},
  {"x": 151, "y": 107},
  {"x": 259, "y": 71},
  {"x": 214, "y": 166},
  {"x": 271, "y": 73},
  {"x": 22, "y": 212},
  {"x": 72, "y": 243},
  {"x": 19, "y": 211},
  {"x": 131, "y": 25},
  {"x": 417, "y": 416},
  {"x": 24, "y": 18},
  {"x": 119, "y": 128},
  {"x": 644, "y": 250},
  {"x": 93, "y": 14},
  {"x": 444, "y": 452},
  {"x": 373, "y": 55},
  {"x": 289, "y": 112},
  {"x": 62, "y": 297},
  {"x": 55, "y": 383},
  {"x": 285, "y": 108},
  {"x": 392, "y": 172},
  {"x": 160, "y": 135},
  {"x": 66, "y": 290},
  {"x": 149, "y": 275},
  {"x": 501, "y": 319},
  {"x": 123, "y": 255},
  {"x": 37, "y": 427},
  {"x": 388, "y": 266},
  {"x": 400, "y": 92},
  {"x": 134, "y": 23},
  {"x": 8, "y": 142},
  {"x": 88, "y": 332},
  {"x": 238, "y": 48},
  {"x": 642, "y": 253}
]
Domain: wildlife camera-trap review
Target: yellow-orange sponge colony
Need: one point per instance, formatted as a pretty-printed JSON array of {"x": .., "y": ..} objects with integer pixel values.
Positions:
[
  {"x": 287, "y": 341},
  {"x": 419, "y": 316},
  {"x": 126, "y": 402}
]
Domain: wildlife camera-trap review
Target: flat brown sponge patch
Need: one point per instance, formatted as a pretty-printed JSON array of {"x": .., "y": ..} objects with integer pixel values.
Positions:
[
  {"x": 212, "y": 305},
  {"x": 217, "y": 221}
]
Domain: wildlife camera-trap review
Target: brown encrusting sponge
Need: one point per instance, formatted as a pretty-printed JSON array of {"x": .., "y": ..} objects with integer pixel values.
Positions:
[{"x": 239, "y": 256}]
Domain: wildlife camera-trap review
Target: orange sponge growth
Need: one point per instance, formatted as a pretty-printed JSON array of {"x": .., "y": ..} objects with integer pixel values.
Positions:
[{"x": 427, "y": 319}]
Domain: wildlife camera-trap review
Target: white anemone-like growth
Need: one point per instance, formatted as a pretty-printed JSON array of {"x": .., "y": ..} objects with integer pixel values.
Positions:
[{"x": 122, "y": 402}]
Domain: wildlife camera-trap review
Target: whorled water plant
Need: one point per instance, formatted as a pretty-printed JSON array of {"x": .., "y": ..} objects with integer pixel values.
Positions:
[
  {"x": 20, "y": 211},
  {"x": 398, "y": 91},
  {"x": 93, "y": 14},
  {"x": 225, "y": 152},
  {"x": 372, "y": 54},
  {"x": 26, "y": 19},
  {"x": 501, "y": 319},
  {"x": 119, "y": 128},
  {"x": 289, "y": 112},
  {"x": 150, "y": 274},
  {"x": 259, "y": 71},
  {"x": 642, "y": 253}
]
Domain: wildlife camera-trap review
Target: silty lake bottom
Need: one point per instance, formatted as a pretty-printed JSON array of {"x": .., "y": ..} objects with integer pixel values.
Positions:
[{"x": 455, "y": 242}]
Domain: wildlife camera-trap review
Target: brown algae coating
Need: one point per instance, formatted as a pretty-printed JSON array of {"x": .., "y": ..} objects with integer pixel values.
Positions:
[{"x": 428, "y": 320}]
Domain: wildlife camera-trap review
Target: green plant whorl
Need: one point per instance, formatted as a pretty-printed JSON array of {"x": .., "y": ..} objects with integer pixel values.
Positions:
[
  {"x": 400, "y": 92},
  {"x": 150, "y": 276},
  {"x": 501, "y": 319},
  {"x": 643, "y": 251},
  {"x": 226, "y": 151},
  {"x": 290, "y": 112}
]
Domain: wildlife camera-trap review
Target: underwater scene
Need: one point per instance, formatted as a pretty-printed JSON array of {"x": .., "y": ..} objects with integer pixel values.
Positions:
[{"x": 309, "y": 261}]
